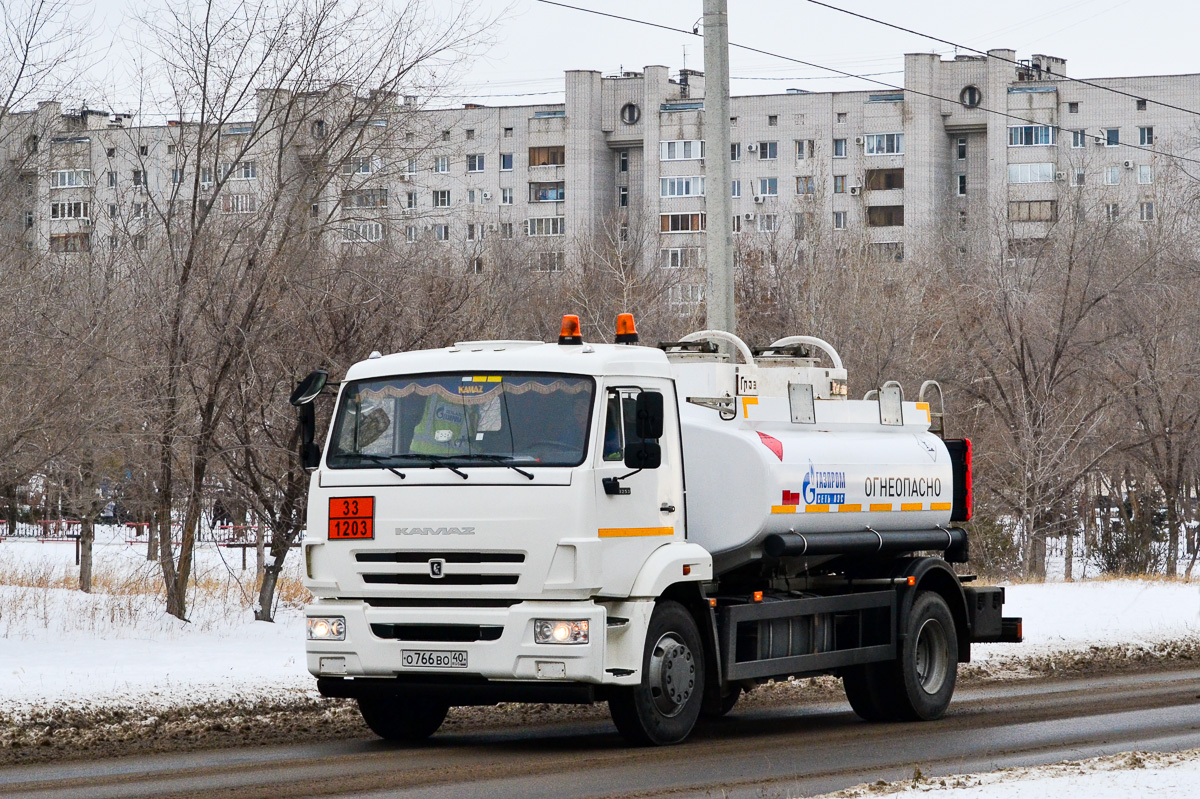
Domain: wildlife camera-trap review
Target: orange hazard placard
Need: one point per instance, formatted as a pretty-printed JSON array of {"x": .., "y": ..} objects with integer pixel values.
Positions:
[{"x": 351, "y": 517}]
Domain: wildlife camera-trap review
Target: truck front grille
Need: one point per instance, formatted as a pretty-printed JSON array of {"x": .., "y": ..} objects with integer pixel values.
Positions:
[
  {"x": 447, "y": 579},
  {"x": 435, "y": 568},
  {"x": 410, "y": 556},
  {"x": 439, "y": 633}
]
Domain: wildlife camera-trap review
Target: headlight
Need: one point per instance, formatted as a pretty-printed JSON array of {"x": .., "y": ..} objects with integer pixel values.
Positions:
[
  {"x": 560, "y": 631},
  {"x": 326, "y": 628}
]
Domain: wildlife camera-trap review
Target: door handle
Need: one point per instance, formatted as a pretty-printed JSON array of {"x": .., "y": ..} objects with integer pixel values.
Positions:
[{"x": 667, "y": 508}]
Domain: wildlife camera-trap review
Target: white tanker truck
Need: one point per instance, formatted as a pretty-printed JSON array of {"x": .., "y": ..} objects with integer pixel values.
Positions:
[{"x": 658, "y": 528}]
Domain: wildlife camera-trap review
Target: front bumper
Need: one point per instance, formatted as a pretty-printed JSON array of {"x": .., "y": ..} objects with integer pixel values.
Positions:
[{"x": 610, "y": 656}]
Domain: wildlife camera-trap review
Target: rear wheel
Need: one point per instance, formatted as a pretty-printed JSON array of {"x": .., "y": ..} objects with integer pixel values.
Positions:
[
  {"x": 663, "y": 709},
  {"x": 928, "y": 666},
  {"x": 402, "y": 718},
  {"x": 717, "y": 709},
  {"x": 870, "y": 689}
]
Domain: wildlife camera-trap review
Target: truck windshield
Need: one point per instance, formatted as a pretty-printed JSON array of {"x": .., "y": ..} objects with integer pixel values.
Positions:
[{"x": 487, "y": 420}]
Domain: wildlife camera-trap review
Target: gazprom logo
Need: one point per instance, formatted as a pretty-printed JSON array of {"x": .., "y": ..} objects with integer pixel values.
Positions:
[{"x": 824, "y": 487}]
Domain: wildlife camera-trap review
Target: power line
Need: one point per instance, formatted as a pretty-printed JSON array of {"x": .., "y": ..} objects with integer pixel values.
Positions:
[
  {"x": 760, "y": 51},
  {"x": 998, "y": 58}
]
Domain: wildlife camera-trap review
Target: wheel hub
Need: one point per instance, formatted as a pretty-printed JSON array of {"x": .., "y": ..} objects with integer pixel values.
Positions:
[
  {"x": 672, "y": 674},
  {"x": 933, "y": 651}
]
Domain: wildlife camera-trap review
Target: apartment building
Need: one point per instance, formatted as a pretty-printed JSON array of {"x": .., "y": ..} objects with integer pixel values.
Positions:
[{"x": 967, "y": 140}]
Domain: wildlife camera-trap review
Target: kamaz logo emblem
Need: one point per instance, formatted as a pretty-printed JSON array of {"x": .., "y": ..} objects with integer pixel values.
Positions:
[
  {"x": 435, "y": 531},
  {"x": 437, "y": 568}
]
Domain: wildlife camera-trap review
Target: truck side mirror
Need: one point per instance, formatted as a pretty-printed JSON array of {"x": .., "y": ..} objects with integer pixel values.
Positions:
[
  {"x": 310, "y": 453},
  {"x": 308, "y": 388},
  {"x": 643, "y": 455},
  {"x": 649, "y": 415}
]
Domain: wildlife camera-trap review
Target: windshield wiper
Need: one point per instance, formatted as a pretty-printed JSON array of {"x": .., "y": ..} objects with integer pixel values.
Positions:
[
  {"x": 435, "y": 461},
  {"x": 379, "y": 459},
  {"x": 503, "y": 460}
]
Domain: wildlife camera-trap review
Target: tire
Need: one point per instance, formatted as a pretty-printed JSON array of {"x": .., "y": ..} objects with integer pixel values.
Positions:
[
  {"x": 663, "y": 709},
  {"x": 871, "y": 691},
  {"x": 402, "y": 718},
  {"x": 716, "y": 710},
  {"x": 928, "y": 667}
]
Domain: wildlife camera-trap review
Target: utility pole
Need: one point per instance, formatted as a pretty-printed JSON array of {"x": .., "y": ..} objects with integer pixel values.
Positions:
[{"x": 722, "y": 312}]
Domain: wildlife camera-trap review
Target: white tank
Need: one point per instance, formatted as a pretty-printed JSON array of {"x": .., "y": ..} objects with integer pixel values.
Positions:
[{"x": 760, "y": 472}]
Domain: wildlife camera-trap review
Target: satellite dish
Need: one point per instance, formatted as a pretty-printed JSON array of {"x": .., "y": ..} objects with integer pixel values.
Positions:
[{"x": 309, "y": 388}]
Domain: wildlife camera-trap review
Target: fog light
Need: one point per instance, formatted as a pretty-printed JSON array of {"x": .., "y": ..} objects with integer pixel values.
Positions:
[
  {"x": 326, "y": 628},
  {"x": 560, "y": 631}
]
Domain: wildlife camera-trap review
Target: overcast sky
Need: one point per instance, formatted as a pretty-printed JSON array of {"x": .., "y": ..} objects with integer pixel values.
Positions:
[{"x": 533, "y": 42}]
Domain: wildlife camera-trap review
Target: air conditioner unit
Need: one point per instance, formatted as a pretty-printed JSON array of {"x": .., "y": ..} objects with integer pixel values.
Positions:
[
  {"x": 859, "y": 140},
  {"x": 748, "y": 217},
  {"x": 491, "y": 226},
  {"x": 487, "y": 195},
  {"x": 751, "y": 148},
  {"x": 1060, "y": 176},
  {"x": 1101, "y": 141},
  {"x": 1130, "y": 164},
  {"x": 855, "y": 190},
  {"x": 759, "y": 199}
]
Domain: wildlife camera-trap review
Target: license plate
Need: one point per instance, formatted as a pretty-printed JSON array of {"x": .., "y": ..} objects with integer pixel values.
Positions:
[{"x": 431, "y": 658}]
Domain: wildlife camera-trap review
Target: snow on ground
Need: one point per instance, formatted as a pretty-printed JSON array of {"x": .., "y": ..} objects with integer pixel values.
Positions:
[{"x": 1174, "y": 775}]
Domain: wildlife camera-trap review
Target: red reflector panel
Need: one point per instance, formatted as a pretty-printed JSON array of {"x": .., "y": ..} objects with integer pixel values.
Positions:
[{"x": 351, "y": 518}]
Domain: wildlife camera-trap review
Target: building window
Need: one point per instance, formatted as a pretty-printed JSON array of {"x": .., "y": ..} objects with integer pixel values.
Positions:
[
  {"x": 839, "y": 184},
  {"x": 441, "y": 232},
  {"x": 805, "y": 148},
  {"x": 1112, "y": 212},
  {"x": 474, "y": 163},
  {"x": 961, "y": 148},
  {"x": 445, "y": 135},
  {"x": 410, "y": 168},
  {"x": 506, "y": 230},
  {"x": 138, "y": 241},
  {"x": 839, "y": 148},
  {"x": 623, "y": 161},
  {"x": 508, "y": 133},
  {"x": 506, "y": 196},
  {"x": 470, "y": 133},
  {"x": 839, "y": 220},
  {"x": 441, "y": 164},
  {"x": 140, "y": 209},
  {"x": 410, "y": 233},
  {"x": 441, "y": 198},
  {"x": 113, "y": 210},
  {"x": 962, "y": 185},
  {"x": 1145, "y": 174},
  {"x": 506, "y": 162},
  {"x": 736, "y": 224},
  {"x": 206, "y": 178},
  {"x": 357, "y": 166},
  {"x": 111, "y": 152},
  {"x": 476, "y": 265},
  {"x": 1078, "y": 139},
  {"x": 75, "y": 210},
  {"x": 176, "y": 176},
  {"x": 767, "y": 223},
  {"x": 112, "y": 180},
  {"x": 71, "y": 242},
  {"x": 884, "y": 144},
  {"x": 841, "y": 117},
  {"x": 1030, "y": 135},
  {"x": 410, "y": 200},
  {"x": 547, "y": 192},
  {"x": 735, "y": 151},
  {"x": 1112, "y": 137},
  {"x": 768, "y": 150},
  {"x": 681, "y": 187},
  {"x": 798, "y": 225},
  {"x": 1145, "y": 135},
  {"x": 1031, "y": 173},
  {"x": 1112, "y": 175},
  {"x": 363, "y": 231},
  {"x": 547, "y": 156},
  {"x": 1033, "y": 211},
  {"x": 471, "y": 232},
  {"x": 685, "y": 300},
  {"x": 246, "y": 170},
  {"x": 143, "y": 150},
  {"x": 884, "y": 179},
  {"x": 1072, "y": 108},
  {"x": 546, "y": 226},
  {"x": 684, "y": 150},
  {"x": 549, "y": 261},
  {"x": 623, "y": 196},
  {"x": 772, "y": 120},
  {"x": 71, "y": 178},
  {"x": 768, "y": 187},
  {"x": 1141, "y": 105},
  {"x": 365, "y": 198},
  {"x": 681, "y": 223},
  {"x": 1077, "y": 177},
  {"x": 806, "y": 184},
  {"x": 970, "y": 96},
  {"x": 230, "y": 204},
  {"x": 735, "y": 188},
  {"x": 885, "y": 216},
  {"x": 679, "y": 257},
  {"x": 1146, "y": 212}
]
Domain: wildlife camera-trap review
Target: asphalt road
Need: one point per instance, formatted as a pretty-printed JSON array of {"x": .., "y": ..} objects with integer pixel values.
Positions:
[{"x": 781, "y": 751}]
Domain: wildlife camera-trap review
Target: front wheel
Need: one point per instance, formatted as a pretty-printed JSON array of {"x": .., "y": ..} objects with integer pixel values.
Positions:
[
  {"x": 663, "y": 709},
  {"x": 402, "y": 718}
]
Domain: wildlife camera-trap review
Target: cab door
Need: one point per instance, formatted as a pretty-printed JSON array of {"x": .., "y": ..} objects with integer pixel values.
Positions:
[{"x": 637, "y": 510}]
